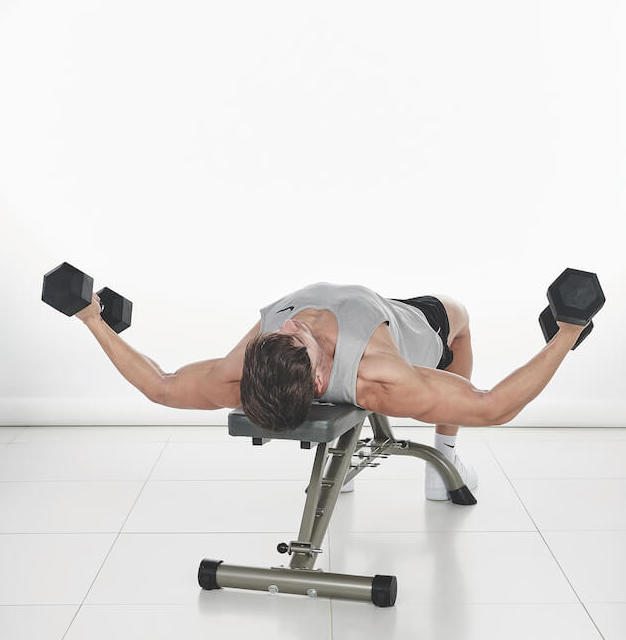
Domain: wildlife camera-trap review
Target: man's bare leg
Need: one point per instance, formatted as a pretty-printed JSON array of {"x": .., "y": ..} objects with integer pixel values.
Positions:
[
  {"x": 445, "y": 434},
  {"x": 462, "y": 364},
  {"x": 460, "y": 342}
]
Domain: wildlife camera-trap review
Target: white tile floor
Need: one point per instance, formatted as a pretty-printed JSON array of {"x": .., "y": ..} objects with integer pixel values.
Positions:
[{"x": 102, "y": 530}]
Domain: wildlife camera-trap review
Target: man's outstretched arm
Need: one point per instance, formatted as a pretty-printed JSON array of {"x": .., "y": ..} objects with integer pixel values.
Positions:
[
  {"x": 511, "y": 395},
  {"x": 190, "y": 385},
  {"x": 139, "y": 370},
  {"x": 434, "y": 396}
]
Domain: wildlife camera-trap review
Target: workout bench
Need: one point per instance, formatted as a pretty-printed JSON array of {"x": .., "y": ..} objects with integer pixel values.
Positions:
[{"x": 326, "y": 423}]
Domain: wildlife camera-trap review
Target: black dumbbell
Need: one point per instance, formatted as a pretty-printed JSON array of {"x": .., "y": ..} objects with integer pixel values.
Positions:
[
  {"x": 575, "y": 297},
  {"x": 69, "y": 290}
]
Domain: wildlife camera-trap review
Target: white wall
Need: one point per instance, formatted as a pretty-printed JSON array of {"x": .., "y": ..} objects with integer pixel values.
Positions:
[{"x": 206, "y": 158}]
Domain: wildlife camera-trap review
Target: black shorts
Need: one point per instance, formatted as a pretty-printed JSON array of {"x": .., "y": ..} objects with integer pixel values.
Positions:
[{"x": 437, "y": 318}]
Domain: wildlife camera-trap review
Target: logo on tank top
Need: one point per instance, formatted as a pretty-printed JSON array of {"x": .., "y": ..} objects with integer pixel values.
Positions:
[{"x": 286, "y": 309}]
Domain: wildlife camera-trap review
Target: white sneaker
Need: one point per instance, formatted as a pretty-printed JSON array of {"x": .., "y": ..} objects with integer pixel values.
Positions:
[{"x": 435, "y": 486}]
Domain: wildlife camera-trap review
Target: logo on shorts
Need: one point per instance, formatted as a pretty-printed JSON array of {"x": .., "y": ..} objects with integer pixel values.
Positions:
[{"x": 286, "y": 309}]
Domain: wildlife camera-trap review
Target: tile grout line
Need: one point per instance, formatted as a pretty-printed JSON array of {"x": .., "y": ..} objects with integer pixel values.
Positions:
[
  {"x": 119, "y": 533},
  {"x": 545, "y": 542}
]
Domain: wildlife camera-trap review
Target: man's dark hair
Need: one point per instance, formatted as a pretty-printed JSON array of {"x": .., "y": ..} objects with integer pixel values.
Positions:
[{"x": 276, "y": 385}]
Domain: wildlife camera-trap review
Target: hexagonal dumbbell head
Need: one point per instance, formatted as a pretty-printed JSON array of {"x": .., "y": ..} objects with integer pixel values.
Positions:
[
  {"x": 117, "y": 310},
  {"x": 575, "y": 296},
  {"x": 67, "y": 289}
]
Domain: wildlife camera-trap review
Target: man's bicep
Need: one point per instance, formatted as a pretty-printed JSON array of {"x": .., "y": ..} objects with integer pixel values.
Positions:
[
  {"x": 453, "y": 399},
  {"x": 208, "y": 384},
  {"x": 434, "y": 397},
  {"x": 191, "y": 387}
]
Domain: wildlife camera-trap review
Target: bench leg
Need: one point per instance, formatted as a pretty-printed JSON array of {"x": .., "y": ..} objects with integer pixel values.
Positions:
[
  {"x": 386, "y": 444},
  {"x": 322, "y": 493}
]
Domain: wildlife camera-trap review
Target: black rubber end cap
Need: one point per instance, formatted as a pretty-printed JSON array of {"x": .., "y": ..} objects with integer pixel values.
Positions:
[
  {"x": 462, "y": 496},
  {"x": 207, "y": 574},
  {"x": 384, "y": 591}
]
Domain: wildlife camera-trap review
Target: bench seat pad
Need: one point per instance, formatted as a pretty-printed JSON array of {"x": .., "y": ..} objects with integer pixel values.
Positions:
[{"x": 325, "y": 422}]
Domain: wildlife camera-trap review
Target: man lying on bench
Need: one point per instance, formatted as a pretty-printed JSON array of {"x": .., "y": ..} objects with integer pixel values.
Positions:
[{"x": 348, "y": 344}]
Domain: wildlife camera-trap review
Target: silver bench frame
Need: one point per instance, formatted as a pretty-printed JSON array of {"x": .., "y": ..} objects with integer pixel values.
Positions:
[{"x": 332, "y": 469}]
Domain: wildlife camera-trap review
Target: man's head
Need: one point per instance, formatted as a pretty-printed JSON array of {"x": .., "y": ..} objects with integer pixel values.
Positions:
[{"x": 281, "y": 376}]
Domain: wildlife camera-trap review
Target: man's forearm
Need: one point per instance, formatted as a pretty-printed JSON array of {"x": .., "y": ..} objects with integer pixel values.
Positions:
[
  {"x": 138, "y": 369},
  {"x": 514, "y": 392}
]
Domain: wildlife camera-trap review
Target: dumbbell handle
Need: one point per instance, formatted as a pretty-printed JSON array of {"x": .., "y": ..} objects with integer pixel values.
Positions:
[
  {"x": 574, "y": 298},
  {"x": 116, "y": 310},
  {"x": 550, "y": 328}
]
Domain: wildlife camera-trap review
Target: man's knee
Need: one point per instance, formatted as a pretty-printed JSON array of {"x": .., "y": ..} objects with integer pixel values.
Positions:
[
  {"x": 463, "y": 358},
  {"x": 458, "y": 318},
  {"x": 464, "y": 322}
]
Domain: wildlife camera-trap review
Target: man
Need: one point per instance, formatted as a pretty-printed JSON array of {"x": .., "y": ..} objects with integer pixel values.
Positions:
[{"x": 345, "y": 343}]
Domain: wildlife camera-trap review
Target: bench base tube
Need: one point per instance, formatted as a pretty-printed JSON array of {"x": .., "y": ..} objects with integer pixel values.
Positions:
[{"x": 380, "y": 590}]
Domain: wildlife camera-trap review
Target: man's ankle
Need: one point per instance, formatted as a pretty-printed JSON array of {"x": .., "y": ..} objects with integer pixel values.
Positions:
[{"x": 445, "y": 444}]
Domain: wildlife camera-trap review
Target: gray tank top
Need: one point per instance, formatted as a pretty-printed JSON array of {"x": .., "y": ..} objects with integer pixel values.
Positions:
[{"x": 359, "y": 312}]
